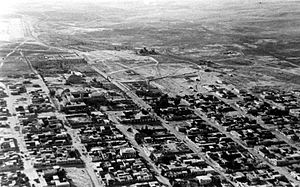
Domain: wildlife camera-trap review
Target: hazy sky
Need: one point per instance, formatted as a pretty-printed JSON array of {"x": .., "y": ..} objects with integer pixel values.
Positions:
[{"x": 8, "y": 6}]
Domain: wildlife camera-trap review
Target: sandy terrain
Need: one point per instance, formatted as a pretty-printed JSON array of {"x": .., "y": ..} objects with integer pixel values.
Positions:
[
  {"x": 11, "y": 29},
  {"x": 79, "y": 177}
]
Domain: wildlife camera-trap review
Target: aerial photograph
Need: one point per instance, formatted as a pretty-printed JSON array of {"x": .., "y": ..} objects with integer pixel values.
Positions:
[{"x": 150, "y": 93}]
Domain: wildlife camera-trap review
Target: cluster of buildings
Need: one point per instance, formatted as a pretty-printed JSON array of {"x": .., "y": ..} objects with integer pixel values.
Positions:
[
  {"x": 241, "y": 166},
  {"x": 221, "y": 91},
  {"x": 211, "y": 105},
  {"x": 49, "y": 64},
  {"x": 249, "y": 131},
  {"x": 285, "y": 117},
  {"x": 176, "y": 114},
  {"x": 126, "y": 171},
  {"x": 54, "y": 176},
  {"x": 77, "y": 100},
  {"x": 8, "y": 144},
  {"x": 273, "y": 113},
  {"x": 281, "y": 155},
  {"x": 10, "y": 161},
  {"x": 14, "y": 178},
  {"x": 287, "y": 99},
  {"x": 137, "y": 117},
  {"x": 45, "y": 138},
  {"x": 184, "y": 166},
  {"x": 242, "y": 137},
  {"x": 17, "y": 89},
  {"x": 3, "y": 93},
  {"x": 49, "y": 143},
  {"x": 4, "y": 112},
  {"x": 116, "y": 161},
  {"x": 175, "y": 160},
  {"x": 40, "y": 102},
  {"x": 78, "y": 120},
  {"x": 264, "y": 113}
]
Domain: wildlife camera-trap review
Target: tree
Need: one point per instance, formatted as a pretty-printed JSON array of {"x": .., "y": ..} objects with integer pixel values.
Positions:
[
  {"x": 138, "y": 138},
  {"x": 153, "y": 51},
  {"x": 163, "y": 101},
  {"x": 52, "y": 93},
  {"x": 61, "y": 174},
  {"x": 177, "y": 101},
  {"x": 129, "y": 130},
  {"x": 295, "y": 137},
  {"x": 72, "y": 154},
  {"x": 145, "y": 112}
]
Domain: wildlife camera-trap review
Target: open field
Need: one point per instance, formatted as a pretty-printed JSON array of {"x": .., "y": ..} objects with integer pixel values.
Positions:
[
  {"x": 266, "y": 34},
  {"x": 260, "y": 47},
  {"x": 14, "y": 65},
  {"x": 11, "y": 29},
  {"x": 79, "y": 177}
]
